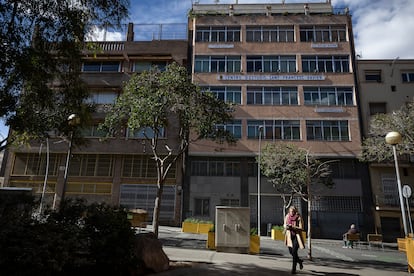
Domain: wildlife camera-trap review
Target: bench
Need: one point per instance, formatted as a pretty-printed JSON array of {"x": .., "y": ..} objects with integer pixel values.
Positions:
[
  {"x": 352, "y": 239},
  {"x": 375, "y": 239}
]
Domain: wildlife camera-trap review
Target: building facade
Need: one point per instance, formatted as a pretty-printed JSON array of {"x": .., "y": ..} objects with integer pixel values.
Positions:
[
  {"x": 385, "y": 86},
  {"x": 118, "y": 171},
  {"x": 290, "y": 69}
]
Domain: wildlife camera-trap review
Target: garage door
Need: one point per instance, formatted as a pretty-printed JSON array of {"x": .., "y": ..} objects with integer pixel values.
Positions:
[{"x": 142, "y": 196}]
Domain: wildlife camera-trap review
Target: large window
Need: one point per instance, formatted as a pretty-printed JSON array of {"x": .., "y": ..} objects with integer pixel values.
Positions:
[
  {"x": 215, "y": 64},
  {"x": 215, "y": 167},
  {"x": 218, "y": 34},
  {"x": 141, "y": 66},
  {"x": 145, "y": 133},
  {"x": 91, "y": 165},
  {"x": 229, "y": 94},
  {"x": 274, "y": 129},
  {"x": 93, "y": 131},
  {"x": 35, "y": 164},
  {"x": 270, "y": 34},
  {"x": 408, "y": 77},
  {"x": 377, "y": 108},
  {"x": 142, "y": 166},
  {"x": 235, "y": 128},
  {"x": 101, "y": 66},
  {"x": 328, "y": 96},
  {"x": 271, "y": 64},
  {"x": 272, "y": 95},
  {"x": 104, "y": 97},
  {"x": 323, "y": 33},
  {"x": 373, "y": 75},
  {"x": 328, "y": 64},
  {"x": 202, "y": 207},
  {"x": 327, "y": 130}
]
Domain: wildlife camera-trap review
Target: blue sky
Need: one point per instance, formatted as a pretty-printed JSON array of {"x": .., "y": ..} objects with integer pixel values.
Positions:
[{"x": 383, "y": 29}]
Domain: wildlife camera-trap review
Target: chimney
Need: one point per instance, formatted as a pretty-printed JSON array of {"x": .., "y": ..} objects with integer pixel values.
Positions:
[{"x": 130, "y": 33}]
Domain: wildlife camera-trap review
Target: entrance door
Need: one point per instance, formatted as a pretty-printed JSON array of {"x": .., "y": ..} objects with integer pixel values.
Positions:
[{"x": 391, "y": 229}]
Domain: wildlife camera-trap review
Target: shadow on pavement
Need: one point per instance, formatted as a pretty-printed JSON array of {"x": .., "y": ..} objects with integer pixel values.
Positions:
[
  {"x": 340, "y": 264},
  {"x": 208, "y": 269}
]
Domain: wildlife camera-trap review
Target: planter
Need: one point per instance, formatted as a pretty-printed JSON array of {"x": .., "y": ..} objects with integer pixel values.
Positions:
[
  {"x": 196, "y": 228},
  {"x": 254, "y": 247},
  {"x": 211, "y": 240},
  {"x": 277, "y": 234},
  {"x": 254, "y": 244}
]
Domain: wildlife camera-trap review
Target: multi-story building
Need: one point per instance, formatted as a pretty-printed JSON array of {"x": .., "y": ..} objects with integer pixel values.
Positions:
[
  {"x": 385, "y": 86},
  {"x": 119, "y": 171},
  {"x": 290, "y": 69}
]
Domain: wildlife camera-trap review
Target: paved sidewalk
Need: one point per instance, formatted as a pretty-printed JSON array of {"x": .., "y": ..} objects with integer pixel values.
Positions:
[{"x": 189, "y": 257}]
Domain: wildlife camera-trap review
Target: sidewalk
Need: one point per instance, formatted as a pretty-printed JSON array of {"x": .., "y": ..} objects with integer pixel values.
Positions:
[{"x": 189, "y": 257}]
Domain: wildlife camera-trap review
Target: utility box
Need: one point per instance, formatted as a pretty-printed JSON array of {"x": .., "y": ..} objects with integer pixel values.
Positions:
[{"x": 232, "y": 229}]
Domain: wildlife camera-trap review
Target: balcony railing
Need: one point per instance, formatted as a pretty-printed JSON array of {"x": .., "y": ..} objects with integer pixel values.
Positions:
[{"x": 391, "y": 201}]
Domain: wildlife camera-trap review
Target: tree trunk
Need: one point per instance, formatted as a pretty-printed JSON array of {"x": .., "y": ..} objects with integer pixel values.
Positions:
[
  {"x": 309, "y": 227},
  {"x": 157, "y": 208}
]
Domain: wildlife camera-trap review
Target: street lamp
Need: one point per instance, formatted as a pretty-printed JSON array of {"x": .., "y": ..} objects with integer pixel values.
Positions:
[
  {"x": 258, "y": 182},
  {"x": 393, "y": 138},
  {"x": 73, "y": 121}
]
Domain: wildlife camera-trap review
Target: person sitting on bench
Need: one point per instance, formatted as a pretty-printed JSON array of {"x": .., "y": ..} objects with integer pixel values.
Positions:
[{"x": 347, "y": 243}]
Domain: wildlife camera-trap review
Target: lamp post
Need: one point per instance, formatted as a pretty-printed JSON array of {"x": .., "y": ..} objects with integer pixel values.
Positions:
[
  {"x": 73, "y": 121},
  {"x": 258, "y": 182},
  {"x": 393, "y": 138}
]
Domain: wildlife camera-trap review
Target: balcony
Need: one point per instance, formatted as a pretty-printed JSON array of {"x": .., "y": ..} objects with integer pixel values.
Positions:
[{"x": 390, "y": 202}]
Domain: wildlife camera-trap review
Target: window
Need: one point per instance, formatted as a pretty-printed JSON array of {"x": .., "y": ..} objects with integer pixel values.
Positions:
[
  {"x": 215, "y": 64},
  {"x": 328, "y": 64},
  {"x": 373, "y": 76},
  {"x": 407, "y": 77},
  {"x": 145, "y": 133},
  {"x": 218, "y": 34},
  {"x": 323, "y": 33},
  {"x": 274, "y": 129},
  {"x": 389, "y": 188},
  {"x": 105, "y": 97},
  {"x": 89, "y": 188},
  {"x": 377, "y": 108},
  {"x": 271, "y": 64},
  {"x": 202, "y": 207},
  {"x": 101, "y": 66},
  {"x": 93, "y": 131},
  {"x": 229, "y": 202},
  {"x": 35, "y": 164},
  {"x": 215, "y": 167},
  {"x": 328, "y": 96},
  {"x": 142, "y": 166},
  {"x": 141, "y": 66},
  {"x": 91, "y": 165},
  {"x": 234, "y": 128},
  {"x": 269, "y": 34},
  {"x": 272, "y": 95},
  {"x": 327, "y": 130},
  {"x": 229, "y": 94}
]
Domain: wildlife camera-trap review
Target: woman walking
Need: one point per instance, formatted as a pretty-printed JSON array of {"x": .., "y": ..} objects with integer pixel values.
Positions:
[{"x": 294, "y": 226}]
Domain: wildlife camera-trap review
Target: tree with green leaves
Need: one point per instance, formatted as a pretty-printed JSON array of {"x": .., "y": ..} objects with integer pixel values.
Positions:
[
  {"x": 41, "y": 42},
  {"x": 374, "y": 147},
  {"x": 156, "y": 101},
  {"x": 294, "y": 171}
]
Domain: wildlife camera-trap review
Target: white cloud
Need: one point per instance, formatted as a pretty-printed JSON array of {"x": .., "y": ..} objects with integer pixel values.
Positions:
[
  {"x": 98, "y": 34},
  {"x": 382, "y": 29}
]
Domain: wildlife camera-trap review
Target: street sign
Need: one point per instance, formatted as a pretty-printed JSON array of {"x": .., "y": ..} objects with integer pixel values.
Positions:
[{"x": 406, "y": 191}]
